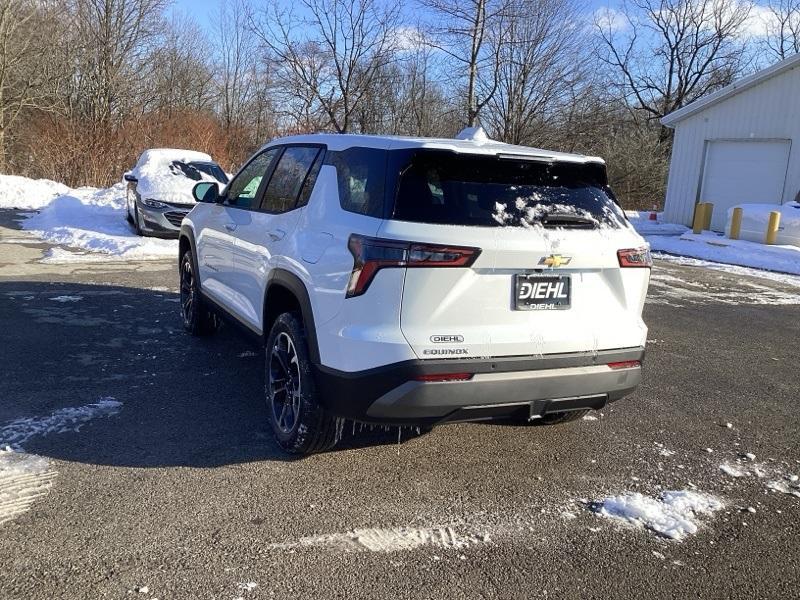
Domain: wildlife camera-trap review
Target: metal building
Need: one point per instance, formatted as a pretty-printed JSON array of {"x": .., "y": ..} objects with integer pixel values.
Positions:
[{"x": 738, "y": 145}]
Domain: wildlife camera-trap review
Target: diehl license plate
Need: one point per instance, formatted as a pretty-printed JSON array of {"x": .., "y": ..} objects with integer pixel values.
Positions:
[{"x": 543, "y": 292}]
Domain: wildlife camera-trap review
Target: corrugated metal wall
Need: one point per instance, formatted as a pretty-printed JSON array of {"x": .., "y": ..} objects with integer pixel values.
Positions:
[{"x": 770, "y": 110}]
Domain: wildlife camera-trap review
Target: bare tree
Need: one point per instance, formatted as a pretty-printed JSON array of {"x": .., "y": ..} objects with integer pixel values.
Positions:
[
  {"x": 541, "y": 61},
  {"x": 666, "y": 53},
  {"x": 113, "y": 41},
  {"x": 181, "y": 77},
  {"x": 470, "y": 32},
  {"x": 783, "y": 28},
  {"x": 236, "y": 52},
  {"x": 326, "y": 61},
  {"x": 27, "y": 76}
]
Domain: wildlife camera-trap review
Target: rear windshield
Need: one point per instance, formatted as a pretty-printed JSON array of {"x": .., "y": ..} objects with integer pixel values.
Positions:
[{"x": 446, "y": 188}]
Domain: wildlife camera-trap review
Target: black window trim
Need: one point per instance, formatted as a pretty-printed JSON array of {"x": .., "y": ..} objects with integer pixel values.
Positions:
[{"x": 261, "y": 192}]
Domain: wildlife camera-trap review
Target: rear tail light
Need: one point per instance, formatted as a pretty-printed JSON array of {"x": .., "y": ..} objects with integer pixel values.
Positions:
[
  {"x": 444, "y": 377},
  {"x": 625, "y": 364},
  {"x": 635, "y": 257},
  {"x": 370, "y": 255}
]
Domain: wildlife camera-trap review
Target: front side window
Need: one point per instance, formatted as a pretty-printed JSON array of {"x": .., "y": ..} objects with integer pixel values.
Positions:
[
  {"x": 243, "y": 190},
  {"x": 288, "y": 178},
  {"x": 360, "y": 173}
]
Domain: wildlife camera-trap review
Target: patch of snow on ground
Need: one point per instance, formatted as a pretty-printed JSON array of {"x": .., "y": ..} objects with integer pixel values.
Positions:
[
  {"x": 24, "y": 193},
  {"x": 67, "y": 298},
  {"x": 788, "y": 486},
  {"x": 713, "y": 247},
  {"x": 94, "y": 220},
  {"x": 784, "y": 278},
  {"x": 731, "y": 470},
  {"x": 23, "y": 479},
  {"x": 675, "y": 514},
  {"x": 15, "y": 433},
  {"x": 26, "y": 477},
  {"x": 387, "y": 540},
  {"x": 644, "y": 226}
]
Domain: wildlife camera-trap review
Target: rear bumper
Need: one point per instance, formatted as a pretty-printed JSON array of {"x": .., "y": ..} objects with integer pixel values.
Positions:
[{"x": 517, "y": 386}]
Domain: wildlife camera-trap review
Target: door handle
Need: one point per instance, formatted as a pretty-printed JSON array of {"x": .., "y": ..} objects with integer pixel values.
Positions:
[
  {"x": 276, "y": 234},
  {"x": 230, "y": 226}
]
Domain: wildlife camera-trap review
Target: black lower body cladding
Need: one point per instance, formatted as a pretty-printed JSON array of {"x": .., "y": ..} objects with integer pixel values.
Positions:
[{"x": 499, "y": 387}]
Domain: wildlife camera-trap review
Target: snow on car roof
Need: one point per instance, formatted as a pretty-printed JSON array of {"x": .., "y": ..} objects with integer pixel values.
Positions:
[
  {"x": 335, "y": 141},
  {"x": 156, "y": 180}
]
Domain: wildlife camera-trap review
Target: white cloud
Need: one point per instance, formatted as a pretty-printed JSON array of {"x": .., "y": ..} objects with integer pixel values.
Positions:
[
  {"x": 408, "y": 37},
  {"x": 611, "y": 20}
]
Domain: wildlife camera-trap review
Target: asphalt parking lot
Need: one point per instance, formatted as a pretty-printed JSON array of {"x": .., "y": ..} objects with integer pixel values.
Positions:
[{"x": 173, "y": 487}]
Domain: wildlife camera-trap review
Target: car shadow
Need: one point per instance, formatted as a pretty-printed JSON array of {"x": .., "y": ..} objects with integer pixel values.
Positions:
[{"x": 185, "y": 401}]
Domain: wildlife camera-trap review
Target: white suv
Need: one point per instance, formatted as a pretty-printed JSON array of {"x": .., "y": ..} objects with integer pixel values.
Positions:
[{"x": 413, "y": 281}]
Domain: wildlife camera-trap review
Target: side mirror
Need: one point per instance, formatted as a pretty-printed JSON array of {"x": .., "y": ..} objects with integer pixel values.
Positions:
[
  {"x": 129, "y": 177},
  {"x": 206, "y": 191}
]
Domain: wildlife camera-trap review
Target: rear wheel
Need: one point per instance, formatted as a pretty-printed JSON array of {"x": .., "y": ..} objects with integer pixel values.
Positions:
[
  {"x": 300, "y": 422},
  {"x": 197, "y": 319}
]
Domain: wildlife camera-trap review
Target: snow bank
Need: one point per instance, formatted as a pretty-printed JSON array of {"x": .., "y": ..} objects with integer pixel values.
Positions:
[
  {"x": 24, "y": 193},
  {"x": 93, "y": 219},
  {"x": 158, "y": 181},
  {"x": 756, "y": 216},
  {"x": 717, "y": 248},
  {"x": 674, "y": 514}
]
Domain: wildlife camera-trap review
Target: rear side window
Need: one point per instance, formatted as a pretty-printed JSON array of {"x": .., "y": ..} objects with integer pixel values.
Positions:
[
  {"x": 311, "y": 179},
  {"x": 360, "y": 173},
  {"x": 446, "y": 188},
  {"x": 287, "y": 179}
]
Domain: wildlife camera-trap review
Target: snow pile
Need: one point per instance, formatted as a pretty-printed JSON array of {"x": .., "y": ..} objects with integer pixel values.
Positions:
[
  {"x": 714, "y": 247},
  {"x": 160, "y": 180},
  {"x": 24, "y": 193},
  {"x": 17, "y": 432},
  {"x": 674, "y": 514},
  {"x": 94, "y": 220},
  {"x": 23, "y": 479},
  {"x": 641, "y": 222},
  {"x": 756, "y": 216}
]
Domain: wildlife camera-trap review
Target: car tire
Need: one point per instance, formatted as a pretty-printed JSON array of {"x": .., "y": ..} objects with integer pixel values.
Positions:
[
  {"x": 300, "y": 422},
  {"x": 559, "y": 417},
  {"x": 198, "y": 320},
  {"x": 136, "y": 224}
]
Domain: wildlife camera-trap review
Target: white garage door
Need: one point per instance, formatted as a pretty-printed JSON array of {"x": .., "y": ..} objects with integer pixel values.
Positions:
[{"x": 743, "y": 171}]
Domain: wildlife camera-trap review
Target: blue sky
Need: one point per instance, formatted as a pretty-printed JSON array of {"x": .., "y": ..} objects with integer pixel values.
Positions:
[{"x": 202, "y": 11}]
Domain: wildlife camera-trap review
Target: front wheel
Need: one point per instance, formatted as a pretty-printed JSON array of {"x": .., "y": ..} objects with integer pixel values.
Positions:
[
  {"x": 197, "y": 319},
  {"x": 300, "y": 422}
]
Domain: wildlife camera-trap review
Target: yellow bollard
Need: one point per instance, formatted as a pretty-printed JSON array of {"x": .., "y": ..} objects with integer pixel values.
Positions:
[
  {"x": 772, "y": 227},
  {"x": 736, "y": 223},
  {"x": 699, "y": 217},
  {"x": 707, "y": 221}
]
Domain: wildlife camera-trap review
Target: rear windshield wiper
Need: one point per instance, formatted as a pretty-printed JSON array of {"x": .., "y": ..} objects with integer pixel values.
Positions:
[{"x": 568, "y": 220}]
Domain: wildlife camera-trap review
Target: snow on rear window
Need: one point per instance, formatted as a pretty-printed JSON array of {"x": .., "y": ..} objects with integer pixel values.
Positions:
[{"x": 445, "y": 188}]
